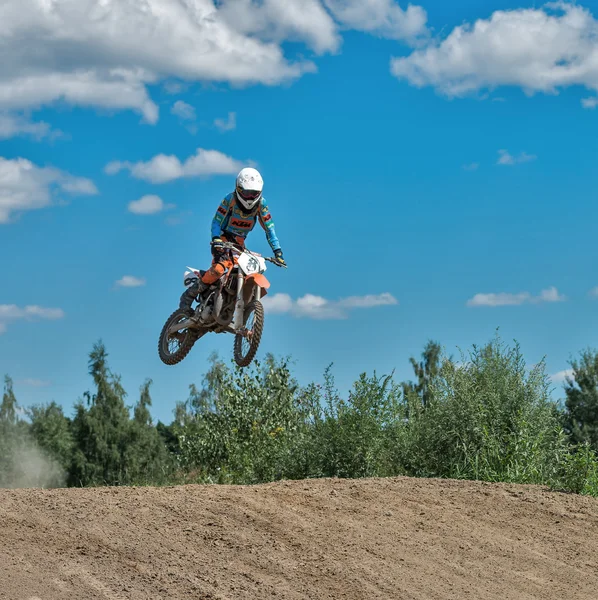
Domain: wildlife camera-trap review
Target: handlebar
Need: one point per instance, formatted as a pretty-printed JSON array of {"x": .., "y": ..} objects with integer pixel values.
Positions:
[
  {"x": 275, "y": 262},
  {"x": 238, "y": 248}
]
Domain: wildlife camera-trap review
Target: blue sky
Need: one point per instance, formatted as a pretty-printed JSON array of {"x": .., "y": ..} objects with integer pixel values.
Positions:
[{"x": 426, "y": 182}]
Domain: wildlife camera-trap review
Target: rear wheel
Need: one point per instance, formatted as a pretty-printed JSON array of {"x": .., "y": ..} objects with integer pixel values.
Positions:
[
  {"x": 174, "y": 347},
  {"x": 248, "y": 341}
]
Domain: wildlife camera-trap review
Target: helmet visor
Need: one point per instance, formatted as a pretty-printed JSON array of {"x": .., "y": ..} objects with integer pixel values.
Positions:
[{"x": 248, "y": 195}]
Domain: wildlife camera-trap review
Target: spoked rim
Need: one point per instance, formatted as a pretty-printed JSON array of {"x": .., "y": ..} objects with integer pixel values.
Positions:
[
  {"x": 175, "y": 341},
  {"x": 174, "y": 347},
  {"x": 248, "y": 339},
  {"x": 247, "y": 334}
]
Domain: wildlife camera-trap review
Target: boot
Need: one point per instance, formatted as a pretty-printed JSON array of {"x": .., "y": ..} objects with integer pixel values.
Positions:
[{"x": 191, "y": 294}]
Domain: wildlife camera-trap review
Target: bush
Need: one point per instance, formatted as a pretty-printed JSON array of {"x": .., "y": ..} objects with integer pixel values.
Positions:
[
  {"x": 247, "y": 426},
  {"x": 578, "y": 471},
  {"x": 351, "y": 438},
  {"x": 488, "y": 418}
]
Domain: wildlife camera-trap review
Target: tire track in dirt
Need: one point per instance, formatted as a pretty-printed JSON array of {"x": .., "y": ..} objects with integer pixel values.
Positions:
[{"x": 401, "y": 538}]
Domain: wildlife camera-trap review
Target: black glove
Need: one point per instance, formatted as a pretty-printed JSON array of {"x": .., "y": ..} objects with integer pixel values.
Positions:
[
  {"x": 279, "y": 259},
  {"x": 217, "y": 245}
]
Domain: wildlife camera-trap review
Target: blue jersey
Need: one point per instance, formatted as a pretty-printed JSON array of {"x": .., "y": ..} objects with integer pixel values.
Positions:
[{"x": 229, "y": 219}]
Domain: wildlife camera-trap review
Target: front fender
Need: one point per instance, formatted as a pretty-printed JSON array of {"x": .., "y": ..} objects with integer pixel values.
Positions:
[
  {"x": 260, "y": 280},
  {"x": 250, "y": 282}
]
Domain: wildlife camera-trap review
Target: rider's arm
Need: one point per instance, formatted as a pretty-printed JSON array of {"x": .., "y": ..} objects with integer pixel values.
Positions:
[
  {"x": 220, "y": 216},
  {"x": 268, "y": 224}
]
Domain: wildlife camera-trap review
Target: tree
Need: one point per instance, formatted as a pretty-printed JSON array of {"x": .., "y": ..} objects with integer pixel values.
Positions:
[
  {"x": 147, "y": 458},
  {"x": 426, "y": 371},
  {"x": 100, "y": 430},
  {"x": 581, "y": 418},
  {"x": 22, "y": 462},
  {"x": 243, "y": 425},
  {"x": 51, "y": 430},
  {"x": 8, "y": 408},
  {"x": 8, "y": 434},
  {"x": 488, "y": 418},
  {"x": 142, "y": 415}
]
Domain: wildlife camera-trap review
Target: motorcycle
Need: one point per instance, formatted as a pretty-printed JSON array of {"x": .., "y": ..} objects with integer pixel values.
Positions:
[{"x": 230, "y": 305}]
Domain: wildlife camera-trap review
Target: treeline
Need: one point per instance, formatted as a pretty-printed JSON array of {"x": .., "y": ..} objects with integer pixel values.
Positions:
[{"x": 486, "y": 417}]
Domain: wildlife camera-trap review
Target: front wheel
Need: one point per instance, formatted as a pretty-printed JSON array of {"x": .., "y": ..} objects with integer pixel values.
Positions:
[
  {"x": 174, "y": 347},
  {"x": 248, "y": 341}
]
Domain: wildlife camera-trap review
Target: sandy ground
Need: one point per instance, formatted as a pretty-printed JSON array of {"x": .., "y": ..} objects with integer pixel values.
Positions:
[{"x": 335, "y": 539}]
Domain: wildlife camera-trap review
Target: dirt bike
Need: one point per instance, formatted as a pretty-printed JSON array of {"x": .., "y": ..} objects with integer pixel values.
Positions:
[{"x": 230, "y": 305}]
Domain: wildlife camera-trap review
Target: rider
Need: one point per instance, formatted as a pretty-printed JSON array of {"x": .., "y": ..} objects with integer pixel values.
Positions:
[{"x": 235, "y": 218}]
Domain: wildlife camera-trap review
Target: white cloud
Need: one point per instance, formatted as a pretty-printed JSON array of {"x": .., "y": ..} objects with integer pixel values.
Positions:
[
  {"x": 550, "y": 295},
  {"x": 562, "y": 376},
  {"x": 12, "y": 125},
  {"x": 184, "y": 111},
  {"x": 536, "y": 49},
  {"x": 116, "y": 89},
  {"x": 369, "y": 301},
  {"x": 503, "y": 299},
  {"x": 278, "y": 304},
  {"x": 593, "y": 292},
  {"x": 179, "y": 218},
  {"x": 148, "y": 205},
  {"x": 104, "y": 53},
  {"x": 9, "y": 313},
  {"x": 316, "y": 307},
  {"x": 273, "y": 20},
  {"x": 227, "y": 124},
  {"x": 31, "y": 382},
  {"x": 384, "y": 18},
  {"x": 471, "y": 167},
  {"x": 78, "y": 186},
  {"x": 25, "y": 186},
  {"x": 506, "y": 158},
  {"x": 175, "y": 87},
  {"x": 162, "y": 168},
  {"x": 590, "y": 103},
  {"x": 130, "y": 281}
]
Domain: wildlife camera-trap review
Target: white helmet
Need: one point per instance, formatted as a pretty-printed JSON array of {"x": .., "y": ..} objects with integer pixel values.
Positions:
[{"x": 249, "y": 188}]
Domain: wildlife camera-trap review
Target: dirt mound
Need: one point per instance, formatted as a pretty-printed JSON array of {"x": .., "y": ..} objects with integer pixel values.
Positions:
[{"x": 389, "y": 538}]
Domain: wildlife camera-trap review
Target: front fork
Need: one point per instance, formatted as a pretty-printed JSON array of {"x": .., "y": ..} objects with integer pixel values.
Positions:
[
  {"x": 239, "y": 304},
  {"x": 238, "y": 323}
]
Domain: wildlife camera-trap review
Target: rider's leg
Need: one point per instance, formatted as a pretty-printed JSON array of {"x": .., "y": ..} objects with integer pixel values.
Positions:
[
  {"x": 220, "y": 265},
  {"x": 190, "y": 294},
  {"x": 216, "y": 271}
]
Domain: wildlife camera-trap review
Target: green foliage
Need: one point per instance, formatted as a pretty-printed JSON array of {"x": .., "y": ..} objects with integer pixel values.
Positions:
[
  {"x": 146, "y": 457},
  {"x": 109, "y": 447},
  {"x": 241, "y": 428},
  {"x": 426, "y": 371},
  {"x": 9, "y": 435},
  {"x": 22, "y": 462},
  {"x": 582, "y": 399},
  {"x": 578, "y": 472},
  {"x": 350, "y": 438},
  {"x": 100, "y": 429},
  {"x": 51, "y": 430},
  {"x": 8, "y": 408},
  {"x": 487, "y": 417}
]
